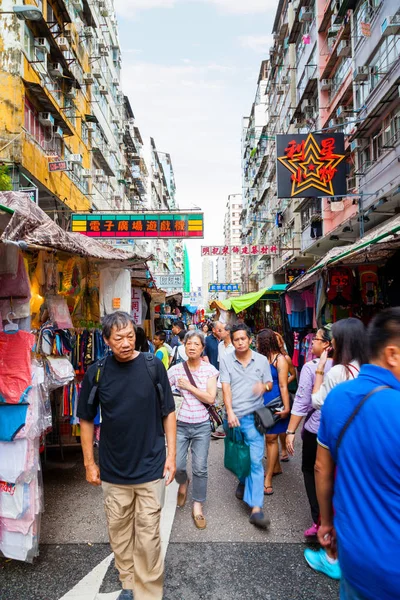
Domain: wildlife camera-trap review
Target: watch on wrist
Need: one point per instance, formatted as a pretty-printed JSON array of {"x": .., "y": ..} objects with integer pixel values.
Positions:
[
  {"x": 319, "y": 372},
  {"x": 290, "y": 432}
]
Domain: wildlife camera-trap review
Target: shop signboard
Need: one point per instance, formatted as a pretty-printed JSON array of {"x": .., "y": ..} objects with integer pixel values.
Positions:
[
  {"x": 239, "y": 250},
  {"x": 224, "y": 287},
  {"x": 139, "y": 225},
  {"x": 59, "y": 165},
  {"x": 169, "y": 282},
  {"x": 311, "y": 166},
  {"x": 32, "y": 193},
  {"x": 137, "y": 303}
]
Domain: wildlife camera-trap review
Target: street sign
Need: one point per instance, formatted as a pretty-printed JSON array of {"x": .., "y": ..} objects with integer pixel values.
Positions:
[
  {"x": 59, "y": 165},
  {"x": 139, "y": 225},
  {"x": 169, "y": 282},
  {"x": 224, "y": 287},
  {"x": 239, "y": 250},
  {"x": 311, "y": 165},
  {"x": 32, "y": 193}
]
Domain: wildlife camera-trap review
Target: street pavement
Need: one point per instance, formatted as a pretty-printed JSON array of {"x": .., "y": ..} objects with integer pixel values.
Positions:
[{"x": 229, "y": 560}]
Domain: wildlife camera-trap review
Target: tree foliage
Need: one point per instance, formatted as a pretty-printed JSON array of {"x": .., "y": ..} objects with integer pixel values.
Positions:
[{"x": 5, "y": 179}]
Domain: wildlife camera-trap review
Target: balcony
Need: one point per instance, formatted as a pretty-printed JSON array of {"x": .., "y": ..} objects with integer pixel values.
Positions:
[{"x": 101, "y": 153}]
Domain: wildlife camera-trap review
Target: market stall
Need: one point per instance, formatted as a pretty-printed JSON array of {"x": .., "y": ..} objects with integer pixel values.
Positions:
[{"x": 54, "y": 288}]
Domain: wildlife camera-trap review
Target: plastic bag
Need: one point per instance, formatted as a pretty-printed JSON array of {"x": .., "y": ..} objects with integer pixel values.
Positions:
[
  {"x": 237, "y": 454},
  {"x": 17, "y": 286},
  {"x": 59, "y": 312},
  {"x": 9, "y": 255},
  {"x": 59, "y": 372}
]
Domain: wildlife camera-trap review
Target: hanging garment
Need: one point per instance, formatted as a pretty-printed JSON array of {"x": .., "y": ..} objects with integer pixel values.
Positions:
[
  {"x": 115, "y": 291},
  {"x": 15, "y": 366},
  {"x": 13, "y": 459},
  {"x": 16, "y": 286},
  {"x": 14, "y": 499},
  {"x": 12, "y": 420}
]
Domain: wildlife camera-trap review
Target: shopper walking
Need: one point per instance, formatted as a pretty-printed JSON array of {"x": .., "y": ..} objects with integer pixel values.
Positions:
[
  {"x": 302, "y": 408},
  {"x": 245, "y": 375},
  {"x": 161, "y": 351},
  {"x": 196, "y": 380},
  {"x": 268, "y": 346},
  {"x": 292, "y": 387},
  {"x": 225, "y": 347},
  {"x": 176, "y": 328},
  {"x": 211, "y": 344},
  {"x": 134, "y": 467},
  {"x": 358, "y": 469},
  {"x": 350, "y": 352}
]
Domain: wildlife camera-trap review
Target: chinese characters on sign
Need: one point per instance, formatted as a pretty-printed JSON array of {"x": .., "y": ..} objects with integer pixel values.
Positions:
[
  {"x": 238, "y": 250},
  {"x": 311, "y": 166},
  {"x": 141, "y": 225},
  {"x": 59, "y": 165},
  {"x": 224, "y": 287},
  {"x": 136, "y": 306},
  {"x": 169, "y": 282}
]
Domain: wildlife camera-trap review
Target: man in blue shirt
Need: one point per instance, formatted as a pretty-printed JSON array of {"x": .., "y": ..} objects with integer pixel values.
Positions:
[
  {"x": 359, "y": 470},
  {"x": 212, "y": 343}
]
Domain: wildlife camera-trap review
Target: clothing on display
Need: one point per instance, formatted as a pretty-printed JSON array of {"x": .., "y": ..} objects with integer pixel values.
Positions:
[
  {"x": 115, "y": 291},
  {"x": 15, "y": 366}
]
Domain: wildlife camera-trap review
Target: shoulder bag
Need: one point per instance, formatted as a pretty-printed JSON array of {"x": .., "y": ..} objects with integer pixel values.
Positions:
[{"x": 214, "y": 416}]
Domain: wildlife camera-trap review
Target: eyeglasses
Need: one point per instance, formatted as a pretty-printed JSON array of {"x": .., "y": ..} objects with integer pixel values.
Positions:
[{"x": 316, "y": 339}]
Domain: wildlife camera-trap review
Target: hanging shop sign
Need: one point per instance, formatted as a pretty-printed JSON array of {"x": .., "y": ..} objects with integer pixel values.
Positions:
[
  {"x": 224, "y": 287},
  {"x": 292, "y": 274},
  {"x": 311, "y": 165},
  {"x": 169, "y": 282},
  {"x": 59, "y": 165},
  {"x": 139, "y": 225},
  {"x": 137, "y": 304},
  {"x": 239, "y": 250}
]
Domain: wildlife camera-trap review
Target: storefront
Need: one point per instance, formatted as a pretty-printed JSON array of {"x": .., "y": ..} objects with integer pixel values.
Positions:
[{"x": 54, "y": 289}]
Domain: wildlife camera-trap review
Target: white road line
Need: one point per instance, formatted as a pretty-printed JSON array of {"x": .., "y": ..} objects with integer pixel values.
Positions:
[{"x": 88, "y": 588}]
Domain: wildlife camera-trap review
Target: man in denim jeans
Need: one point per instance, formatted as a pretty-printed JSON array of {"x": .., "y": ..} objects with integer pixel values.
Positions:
[{"x": 245, "y": 376}]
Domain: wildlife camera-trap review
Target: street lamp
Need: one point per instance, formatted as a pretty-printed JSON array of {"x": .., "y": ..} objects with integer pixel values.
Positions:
[{"x": 25, "y": 13}]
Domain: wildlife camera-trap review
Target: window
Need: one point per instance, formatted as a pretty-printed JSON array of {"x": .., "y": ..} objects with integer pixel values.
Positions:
[{"x": 29, "y": 43}]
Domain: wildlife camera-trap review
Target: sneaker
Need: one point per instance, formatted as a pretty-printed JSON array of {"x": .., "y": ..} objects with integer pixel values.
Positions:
[
  {"x": 218, "y": 435},
  {"x": 240, "y": 491},
  {"x": 260, "y": 520},
  {"x": 126, "y": 595},
  {"x": 319, "y": 562},
  {"x": 311, "y": 531}
]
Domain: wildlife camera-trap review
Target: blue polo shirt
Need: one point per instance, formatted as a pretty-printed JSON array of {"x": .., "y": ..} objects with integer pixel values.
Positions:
[
  {"x": 367, "y": 485},
  {"x": 211, "y": 350}
]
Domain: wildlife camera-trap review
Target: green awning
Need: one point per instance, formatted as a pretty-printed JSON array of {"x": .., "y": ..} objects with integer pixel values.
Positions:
[
  {"x": 242, "y": 302},
  {"x": 6, "y": 209},
  {"x": 278, "y": 287}
]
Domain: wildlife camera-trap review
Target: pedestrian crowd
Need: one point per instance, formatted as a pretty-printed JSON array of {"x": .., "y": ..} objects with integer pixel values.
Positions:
[{"x": 243, "y": 388}]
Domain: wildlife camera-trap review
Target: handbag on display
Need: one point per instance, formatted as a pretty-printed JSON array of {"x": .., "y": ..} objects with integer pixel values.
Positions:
[
  {"x": 266, "y": 416},
  {"x": 237, "y": 454},
  {"x": 214, "y": 416}
]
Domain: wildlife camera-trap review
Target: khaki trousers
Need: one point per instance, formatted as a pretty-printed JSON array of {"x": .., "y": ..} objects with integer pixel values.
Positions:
[{"x": 133, "y": 516}]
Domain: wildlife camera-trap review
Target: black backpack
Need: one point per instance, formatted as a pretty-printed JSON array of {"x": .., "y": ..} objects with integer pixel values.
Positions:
[{"x": 151, "y": 366}]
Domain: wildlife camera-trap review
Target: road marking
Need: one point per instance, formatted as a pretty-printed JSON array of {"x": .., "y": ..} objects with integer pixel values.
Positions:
[{"x": 88, "y": 588}]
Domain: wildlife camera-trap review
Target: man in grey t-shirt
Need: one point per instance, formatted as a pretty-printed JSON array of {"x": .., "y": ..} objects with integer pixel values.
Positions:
[{"x": 245, "y": 376}]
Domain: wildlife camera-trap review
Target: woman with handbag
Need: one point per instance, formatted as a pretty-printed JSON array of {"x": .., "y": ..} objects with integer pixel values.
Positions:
[
  {"x": 292, "y": 387},
  {"x": 348, "y": 343},
  {"x": 268, "y": 345},
  {"x": 196, "y": 380},
  {"x": 302, "y": 407}
]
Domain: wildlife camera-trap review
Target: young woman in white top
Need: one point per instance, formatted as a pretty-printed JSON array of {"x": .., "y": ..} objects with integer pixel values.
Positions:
[{"x": 349, "y": 346}]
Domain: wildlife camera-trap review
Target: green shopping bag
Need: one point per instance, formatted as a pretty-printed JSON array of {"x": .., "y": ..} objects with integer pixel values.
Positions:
[{"x": 237, "y": 453}]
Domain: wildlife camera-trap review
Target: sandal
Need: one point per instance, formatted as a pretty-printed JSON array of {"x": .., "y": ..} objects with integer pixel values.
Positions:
[
  {"x": 199, "y": 521},
  {"x": 183, "y": 497},
  {"x": 277, "y": 473},
  {"x": 285, "y": 458},
  {"x": 266, "y": 492}
]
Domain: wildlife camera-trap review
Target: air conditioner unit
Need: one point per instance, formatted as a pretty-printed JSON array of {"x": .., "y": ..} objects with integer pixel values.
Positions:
[
  {"x": 391, "y": 25},
  {"x": 71, "y": 93},
  {"x": 116, "y": 196},
  {"x": 279, "y": 90},
  {"x": 91, "y": 127},
  {"x": 103, "y": 89},
  {"x": 340, "y": 111},
  {"x": 332, "y": 123},
  {"x": 361, "y": 73},
  {"x": 75, "y": 158},
  {"x": 104, "y": 52},
  {"x": 344, "y": 48},
  {"x": 77, "y": 4},
  {"x": 43, "y": 44},
  {"x": 115, "y": 81},
  {"x": 102, "y": 179},
  {"x": 86, "y": 174},
  {"x": 305, "y": 14},
  {"x": 285, "y": 80},
  {"x": 355, "y": 145},
  {"x": 88, "y": 78},
  {"x": 58, "y": 132},
  {"x": 96, "y": 73},
  {"x": 115, "y": 120},
  {"x": 309, "y": 111},
  {"x": 101, "y": 45},
  {"x": 56, "y": 70},
  {"x": 46, "y": 118},
  {"x": 307, "y": 102},
  {"x": 63, "y": 43},
  {"x": 326, "y": 84},
  {"x": 351, "y": 184},
  {"x": 104, "y": 12},
  {"x": 128, "y": 181},
  {"x": 332, "y": 31},
  {"x": 98, "y": 172},
  {"x": 299, "y": 122},
  {"x": 88, "y": 32}
]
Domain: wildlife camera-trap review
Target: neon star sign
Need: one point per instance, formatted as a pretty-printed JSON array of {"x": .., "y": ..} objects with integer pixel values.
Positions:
[{"x": 311, "y": 166}]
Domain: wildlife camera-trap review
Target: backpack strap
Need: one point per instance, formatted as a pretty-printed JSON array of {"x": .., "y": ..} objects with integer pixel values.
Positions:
[
  {"x": 152, "y": 370},
  {"x": 100, "y": 368}
]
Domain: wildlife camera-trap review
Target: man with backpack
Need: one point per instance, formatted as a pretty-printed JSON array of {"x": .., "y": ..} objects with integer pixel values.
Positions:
[{"x": 137, "y": 408}]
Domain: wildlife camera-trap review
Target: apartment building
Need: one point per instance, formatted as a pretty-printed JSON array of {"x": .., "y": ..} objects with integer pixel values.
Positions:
[
  {"x": 207, "y": 277},
  {"x": 334, "y": 67},
  {"x": 232, "y": 237}
]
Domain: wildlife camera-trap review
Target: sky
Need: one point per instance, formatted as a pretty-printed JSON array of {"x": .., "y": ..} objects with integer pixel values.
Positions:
[{"x": 190, "y": 70}]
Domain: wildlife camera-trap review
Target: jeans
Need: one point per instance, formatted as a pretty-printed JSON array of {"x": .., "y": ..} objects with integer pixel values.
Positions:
[
  {"x": 254, "y": 483},
  {"x": 307, "y": 466},
  {"x": 348, "y": 592},
  {"x": 196, "y": 436}
]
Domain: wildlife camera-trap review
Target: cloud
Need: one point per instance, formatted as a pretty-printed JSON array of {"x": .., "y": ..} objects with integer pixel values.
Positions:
[
  {"x": 129, "y": 8},
  {"x": 245, "y": 6},
  {"x": 258, "y": 43}
]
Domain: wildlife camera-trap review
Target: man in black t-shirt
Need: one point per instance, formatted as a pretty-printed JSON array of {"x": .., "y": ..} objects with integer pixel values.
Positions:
[
  {"x": 134, "y": 466},
  {"x": 176, "y": 328}
]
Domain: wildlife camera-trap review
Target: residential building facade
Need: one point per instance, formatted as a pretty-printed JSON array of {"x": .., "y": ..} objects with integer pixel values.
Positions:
[
  {"x": 207, "y": 277},
  {"x": 232, "y": 237}
]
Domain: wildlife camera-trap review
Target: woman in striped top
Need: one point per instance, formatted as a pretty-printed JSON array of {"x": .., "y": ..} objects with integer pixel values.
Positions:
[{"x": 193, "y": 430}]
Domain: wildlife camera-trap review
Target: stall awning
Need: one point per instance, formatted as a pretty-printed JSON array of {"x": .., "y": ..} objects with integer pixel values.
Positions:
[
  {"x": 242, "y": 302},
  {"x": 378, "y": 245}
]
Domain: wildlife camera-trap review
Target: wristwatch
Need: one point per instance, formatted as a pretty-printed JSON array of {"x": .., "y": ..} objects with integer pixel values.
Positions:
[
  {"x": 320, "y": 372},
  {"x": 290, "y": 432}
]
